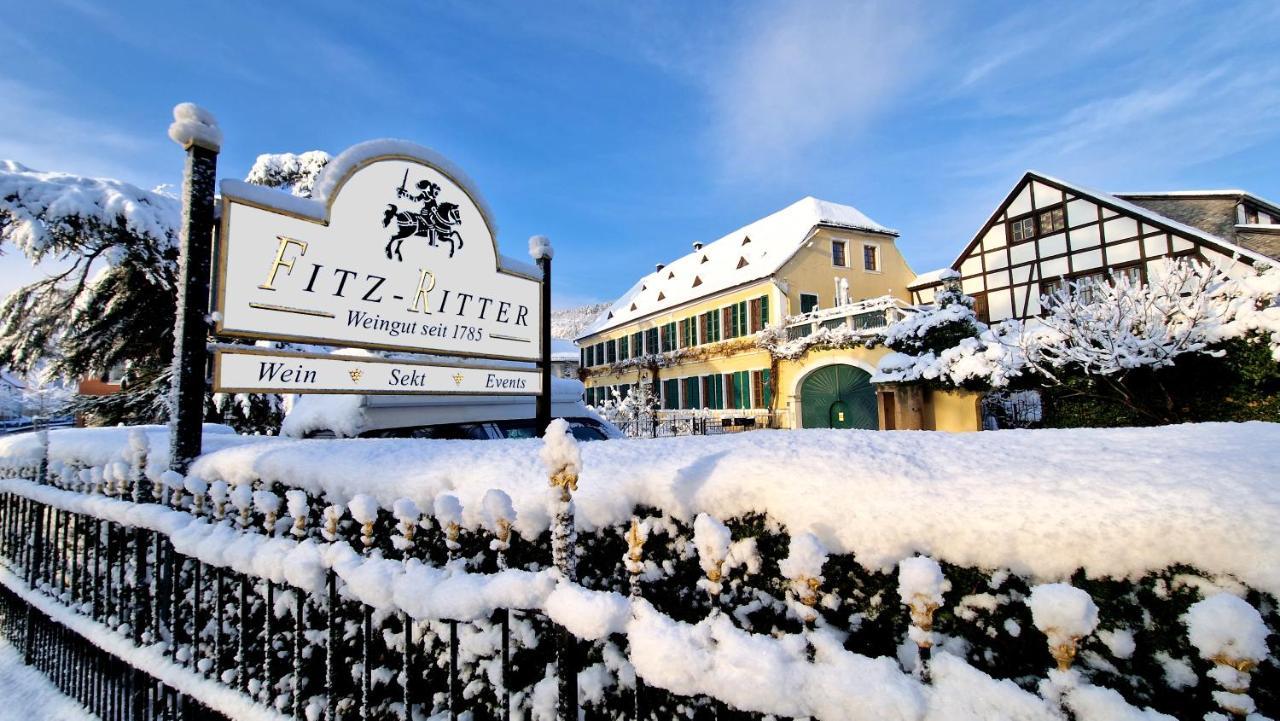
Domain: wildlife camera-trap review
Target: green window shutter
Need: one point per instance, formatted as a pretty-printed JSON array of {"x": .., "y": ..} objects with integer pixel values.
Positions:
[
  {"x": 768, "y": 388},
  {"x": 742, "y": 318},
  {"x": 715, "y": 391},
  {"x": 622, "y": 348},
  {"x": 764, "y": 311},
  {"x": 611, "y": 351},
  {"x": 691, "y": 399},
  {"x": 671, "y": 394}
]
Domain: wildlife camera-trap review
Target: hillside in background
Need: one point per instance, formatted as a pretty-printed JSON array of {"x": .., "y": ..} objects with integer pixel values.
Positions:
[{"x": 569, "y": 322}]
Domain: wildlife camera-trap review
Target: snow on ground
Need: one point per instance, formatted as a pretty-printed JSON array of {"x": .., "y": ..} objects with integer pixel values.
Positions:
[
  {"x": 1117, "y": 502},
  {"x": 28, "y": 695}
]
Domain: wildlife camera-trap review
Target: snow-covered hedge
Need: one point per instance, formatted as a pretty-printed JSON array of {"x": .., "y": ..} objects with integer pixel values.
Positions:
[{"x": 783, "y": 573}]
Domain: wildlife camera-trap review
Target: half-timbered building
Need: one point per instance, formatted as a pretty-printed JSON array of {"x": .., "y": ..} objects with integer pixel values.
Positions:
[{"x": 1048, "y": 231}]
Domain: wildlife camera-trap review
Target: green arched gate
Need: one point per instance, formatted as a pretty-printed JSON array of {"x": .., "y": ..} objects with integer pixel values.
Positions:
[{"x": 838, "y": 396}]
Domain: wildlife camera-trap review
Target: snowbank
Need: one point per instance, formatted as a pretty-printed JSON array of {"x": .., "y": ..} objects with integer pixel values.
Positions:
[{"x": 1116, "y": 502}]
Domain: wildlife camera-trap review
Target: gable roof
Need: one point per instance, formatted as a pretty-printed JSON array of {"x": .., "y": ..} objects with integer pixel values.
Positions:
[
  {"x": 749, "y": 253},
  {"x": 1116, "y": 204}
]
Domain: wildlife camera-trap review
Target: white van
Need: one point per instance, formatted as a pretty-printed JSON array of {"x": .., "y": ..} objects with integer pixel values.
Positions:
[{"x": 441, "y": 416}]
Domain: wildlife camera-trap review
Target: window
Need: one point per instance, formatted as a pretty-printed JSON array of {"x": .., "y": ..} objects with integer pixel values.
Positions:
[
  {"x": 738, "y": 319},
  {"x": 713, "y": 391},
  {"x": 760, "y": 391},
  {"x": 837, "y": 254},
  {"x": 1024, "y": 229},
  {"x": 651, "y": 341},
  {"x": 711, "y": 326},
  {"x": 1132, "y": 273},
  {"x": 740, "y": 389},
  {"x": 691, "y": 387},
  {"x": 637, "y": 344},
  {"x": 808, "y": 302},
  {"x": 669, "y": 337},
  {"x": 870, "y": 258},
  {"x": 622, "y": 347},
  {"x": 980, "y": 307},
  {"x": 611, "y": 351},
  {"x": 1051, "y": 286},
  {"x": 758, "y": 313},
  {"x": 689, "y": 332},
  {"x": 671, "y": 394},
  {"x": 1087, "y": 286},
  {"x": 1051, "y": 221}
]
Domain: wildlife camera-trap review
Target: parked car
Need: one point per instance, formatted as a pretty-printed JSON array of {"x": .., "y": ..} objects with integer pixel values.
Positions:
[{"x": 442, "y": 416}]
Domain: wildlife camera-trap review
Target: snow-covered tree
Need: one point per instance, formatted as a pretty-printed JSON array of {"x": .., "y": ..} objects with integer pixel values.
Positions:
[
  {"x": 111, "y": 300},
  {"x": 1119, "y": 341},
  {"x": 943, "y": 325},
  {"x": 633, "y": 413}
]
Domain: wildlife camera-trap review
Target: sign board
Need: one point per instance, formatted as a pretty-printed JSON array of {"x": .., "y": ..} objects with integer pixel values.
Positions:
[
  {"x": 399, "y": 255},
  {"x": 252, "y": 370}
]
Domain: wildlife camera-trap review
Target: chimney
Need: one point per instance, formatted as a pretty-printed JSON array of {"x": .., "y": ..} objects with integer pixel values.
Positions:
[
  {"x": 658, "y": 267},
  {"x": 697, "y": 245}
]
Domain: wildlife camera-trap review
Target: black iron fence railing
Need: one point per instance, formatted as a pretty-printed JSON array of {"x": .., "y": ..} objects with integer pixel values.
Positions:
[{"x": 170, "y": 598}]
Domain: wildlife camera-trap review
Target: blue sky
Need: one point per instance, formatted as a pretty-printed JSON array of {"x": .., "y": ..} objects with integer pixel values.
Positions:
[{"x": 626, "y": 131}]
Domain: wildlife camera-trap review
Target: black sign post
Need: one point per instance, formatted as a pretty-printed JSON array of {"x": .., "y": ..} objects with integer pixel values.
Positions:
[
  {"x": 542, "y": 414},
  {"x": 194, "y": 130}
]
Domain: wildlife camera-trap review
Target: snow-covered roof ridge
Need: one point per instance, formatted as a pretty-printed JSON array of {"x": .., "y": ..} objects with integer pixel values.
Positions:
[
  {"x": 1122, "y": 205},
  {"x": 931, "y": 277},
  {"x": 754, "y": 251}
]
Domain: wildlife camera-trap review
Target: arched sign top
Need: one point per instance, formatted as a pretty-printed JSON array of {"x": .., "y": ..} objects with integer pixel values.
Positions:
[
  {"x": 397, "y": 251},
  {"x": 339, "y": 170}
]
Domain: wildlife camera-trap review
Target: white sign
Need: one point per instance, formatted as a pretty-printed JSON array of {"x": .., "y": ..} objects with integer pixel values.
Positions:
[
  {"x": 398, "y": 256},
  {"x": 258, "y": 371}
]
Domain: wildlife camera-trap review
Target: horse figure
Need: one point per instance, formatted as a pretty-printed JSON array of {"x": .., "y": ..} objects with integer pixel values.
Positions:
[{"x": 436, "y": 224}]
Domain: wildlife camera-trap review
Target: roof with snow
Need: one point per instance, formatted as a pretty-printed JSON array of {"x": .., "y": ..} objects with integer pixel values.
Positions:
[
  {"x": 1119, "y": 205},
  {"x": 932, "y": 277},
  {"x": 749, "y": 253}
]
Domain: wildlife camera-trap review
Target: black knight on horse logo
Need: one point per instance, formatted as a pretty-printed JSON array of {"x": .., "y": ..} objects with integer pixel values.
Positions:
[{"x": 436, "y": 221}]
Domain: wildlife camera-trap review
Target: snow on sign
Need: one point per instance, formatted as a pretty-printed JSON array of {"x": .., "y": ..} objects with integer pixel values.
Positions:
[
  {"x": 259, "y": 371},
  {"x": 395, "y": 251}
]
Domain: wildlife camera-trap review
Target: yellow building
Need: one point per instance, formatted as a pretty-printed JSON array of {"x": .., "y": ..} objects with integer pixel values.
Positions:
[{"x": 818, "y": 275}]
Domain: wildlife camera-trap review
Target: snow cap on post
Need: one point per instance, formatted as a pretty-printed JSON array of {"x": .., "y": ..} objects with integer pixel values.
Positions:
[
  {"x": 561, "y": 456},
  {"x": 498, "y": 510},
  {"x": 193, "y": 125},
  {"x": 540, "y": 247},
  {"x": 1227, "y": 627},
  {"x": 1064, "y": 614}
]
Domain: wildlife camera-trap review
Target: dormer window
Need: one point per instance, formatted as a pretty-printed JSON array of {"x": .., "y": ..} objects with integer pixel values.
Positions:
[
  {"x": 742, "y": 263},
  {"x": 696, "y": 281}
]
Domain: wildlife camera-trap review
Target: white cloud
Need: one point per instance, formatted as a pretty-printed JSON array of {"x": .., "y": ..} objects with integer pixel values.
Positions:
[{"x": 801, "y": 73}]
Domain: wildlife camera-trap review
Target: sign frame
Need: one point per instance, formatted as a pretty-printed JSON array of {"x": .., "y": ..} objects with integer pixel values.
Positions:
[
  {"x": 323, "y": 219},
  {"x": 219, "y": 351}
]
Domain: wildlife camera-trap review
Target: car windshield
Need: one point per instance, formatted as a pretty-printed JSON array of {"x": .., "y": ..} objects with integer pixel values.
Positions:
[
  {"x": 447, "y": 431},
  {"x": 584, "y": 429}
]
